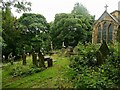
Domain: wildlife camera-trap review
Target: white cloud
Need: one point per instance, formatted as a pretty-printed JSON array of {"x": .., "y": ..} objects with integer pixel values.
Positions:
[{"x": 49, "y": 8}]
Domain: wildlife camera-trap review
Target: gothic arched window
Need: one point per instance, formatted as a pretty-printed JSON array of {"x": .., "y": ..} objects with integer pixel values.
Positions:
[
  {"x": 99, "y": 34},
  {"x": 105, "y": 26},
  {"x": 110, "y": 31}
]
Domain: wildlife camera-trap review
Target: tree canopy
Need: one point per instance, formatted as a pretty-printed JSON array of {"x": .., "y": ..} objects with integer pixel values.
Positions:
[
  {"x": 34, "y": 29},
  {"x": 73, "y": 27}
]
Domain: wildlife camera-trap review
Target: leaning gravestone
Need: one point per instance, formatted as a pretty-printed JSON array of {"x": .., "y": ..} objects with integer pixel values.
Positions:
[{"x": 102, "y": 53}]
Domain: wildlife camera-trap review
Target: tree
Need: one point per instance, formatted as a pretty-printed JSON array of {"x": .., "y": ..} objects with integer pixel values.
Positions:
[
  {"x": 18, "y": 5},
  {"x": 10, "y": 27},
  {"x": 72, "y": 28},
  {"x": 10, "y": 32},
  {"x": 34, "y": 29},
  {"x": 79, "y": 9}
]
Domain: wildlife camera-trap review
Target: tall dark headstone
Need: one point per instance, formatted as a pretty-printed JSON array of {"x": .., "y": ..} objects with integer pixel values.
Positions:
[
  {"x": 104, "y": 49},
  {"x": 24, "y": 58},
  {"x": 50, "y": 62},
  {"x": 41, "y": 59},
  {"x": 102, "y": 53},
  {"x": 34, "y": 58}
]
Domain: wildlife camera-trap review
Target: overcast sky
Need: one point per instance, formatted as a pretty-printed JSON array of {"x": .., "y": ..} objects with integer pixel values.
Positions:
[{"x": 48, "y": 8}]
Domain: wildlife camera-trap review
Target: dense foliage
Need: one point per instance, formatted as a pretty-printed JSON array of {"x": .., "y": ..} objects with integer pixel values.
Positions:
[
  {"x": 18, "y": 5},
  {"x": 88, "y": 74},
  {"x": 34, "y": 29},
  {"x": 30, "y": 30},
  {"x": 71, "y": 28},
  {"x": 10, "y": 33},
  {"x": 23, "y": 71}
]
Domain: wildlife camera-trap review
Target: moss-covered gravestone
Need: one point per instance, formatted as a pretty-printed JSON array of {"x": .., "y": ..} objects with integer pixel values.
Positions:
[
  {"x": 40, "y": 59},
  {"x": 102, "y": 53}
]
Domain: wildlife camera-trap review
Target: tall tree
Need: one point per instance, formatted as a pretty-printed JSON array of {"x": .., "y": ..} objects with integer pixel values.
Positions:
[
  {"x": 17, "y": 4},
  {"x": 34, "y": 29},
  {"x": 10, "y": 32},
  {"x": 10, "y": 28},
  {"x": 72, "y": 28},
  {"x": 79, "y": 9}
]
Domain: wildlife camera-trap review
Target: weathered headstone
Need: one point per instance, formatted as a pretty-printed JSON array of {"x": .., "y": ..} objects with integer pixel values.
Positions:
[
  {"x": 51, "y": 45},
  {"x": 24, "y": 58},
  {"x": 102, "y": 53},
  {"x": 69, "y": 51},
  {"x": 10, "y": 58},
  {"x": 41, "y": 59},
  {"x": 49, "y": 61},
  {"x": 3, "y": 58},
  {"x": 34, "y": 58},
  {"x": 104, "y": 49}
]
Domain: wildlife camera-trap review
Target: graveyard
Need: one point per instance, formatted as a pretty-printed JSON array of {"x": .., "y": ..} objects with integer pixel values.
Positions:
[{"x": 74, "y": 51}]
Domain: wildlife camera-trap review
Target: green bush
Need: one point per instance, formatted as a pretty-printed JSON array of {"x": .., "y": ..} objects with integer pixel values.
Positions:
[
  {"x": 89, "y": 75},
  {"x": 24, "y": 71}
]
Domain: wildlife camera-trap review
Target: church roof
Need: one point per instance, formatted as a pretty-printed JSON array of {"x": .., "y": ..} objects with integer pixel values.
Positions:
[
  {"x": 115, "y": 11},
  {"x": 115, "y": 19},
  {"x": 109, "y": 14}
]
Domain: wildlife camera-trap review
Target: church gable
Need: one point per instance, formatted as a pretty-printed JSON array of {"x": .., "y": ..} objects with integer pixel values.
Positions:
[
  {"x": 106, "y": 17},
  {"x": 105, "y": 28}
]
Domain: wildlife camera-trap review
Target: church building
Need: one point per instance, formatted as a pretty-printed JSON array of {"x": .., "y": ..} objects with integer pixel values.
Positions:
[{"x": 106, "y": 27}]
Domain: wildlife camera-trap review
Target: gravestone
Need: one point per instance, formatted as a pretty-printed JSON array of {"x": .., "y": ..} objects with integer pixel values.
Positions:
[
  {"x": 102, "y": 53},
  {"x": 51, "y": 45},
  {"x": 49, "y": 61},
  {"x": 24, "y": 58},
  {"x": 34, "y": 58},
  {"x": 69, "y": 51},
  {"x": 40, "y": 59},
  {"x": 11, "y": 58},
  {"x": 3, "y": 58}
]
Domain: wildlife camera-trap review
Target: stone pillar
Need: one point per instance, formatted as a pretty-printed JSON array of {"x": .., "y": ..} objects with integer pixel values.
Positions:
[
  {"x": 24, "y": 58},
  {"x": 51, "y": 45}
]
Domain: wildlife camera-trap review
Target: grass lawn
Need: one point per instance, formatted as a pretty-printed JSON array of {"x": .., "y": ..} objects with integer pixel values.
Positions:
[{"x": 52, "y": 77}]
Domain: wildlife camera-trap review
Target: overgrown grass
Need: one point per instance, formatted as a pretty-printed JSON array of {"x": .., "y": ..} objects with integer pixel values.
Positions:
[{"x": 52, "y": 77}]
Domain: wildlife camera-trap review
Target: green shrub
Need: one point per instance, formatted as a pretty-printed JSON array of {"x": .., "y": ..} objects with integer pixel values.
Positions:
[
  {"x": 89, "y": 75},
  {"x": 24, "y": 71}
]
